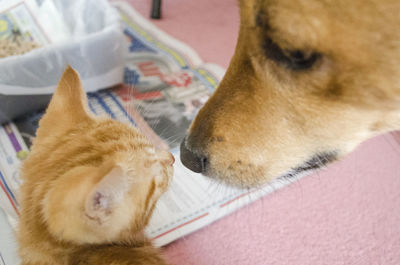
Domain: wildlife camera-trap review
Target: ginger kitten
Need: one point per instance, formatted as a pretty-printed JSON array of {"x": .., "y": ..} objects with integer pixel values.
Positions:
[{"x": 90, "y": 186}]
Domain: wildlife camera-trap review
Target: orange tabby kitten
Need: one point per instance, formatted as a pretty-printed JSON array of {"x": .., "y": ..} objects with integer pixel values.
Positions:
[{"x": 90, "y": 186}]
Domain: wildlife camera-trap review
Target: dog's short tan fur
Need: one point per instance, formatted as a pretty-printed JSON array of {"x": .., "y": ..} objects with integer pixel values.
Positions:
[
  {"x": 90, "y": 186},
  {"x": 265, "y": 119}
]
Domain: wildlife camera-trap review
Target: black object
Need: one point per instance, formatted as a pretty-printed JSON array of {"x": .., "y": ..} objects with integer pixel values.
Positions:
[
  {"x": 13, "y": 106},
  {"x": 156, "y": 9},
  {"x": 191, "y": 160}
]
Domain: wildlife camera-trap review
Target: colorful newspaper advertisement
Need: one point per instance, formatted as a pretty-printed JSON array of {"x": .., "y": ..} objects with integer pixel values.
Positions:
[
  {"x": 18, "y": 22},
  {"x": 165, "y": 85}
]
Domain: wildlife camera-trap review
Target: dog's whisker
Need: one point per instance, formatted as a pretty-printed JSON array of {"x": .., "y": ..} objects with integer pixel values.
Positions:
[{"x": 397, "y": 151}]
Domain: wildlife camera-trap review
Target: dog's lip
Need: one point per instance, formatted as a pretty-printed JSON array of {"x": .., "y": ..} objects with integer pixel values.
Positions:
[
  {"x": 315, "y": 162},
  {"x": 306, "y": 168},
  {"x": 293, "y": 174}
]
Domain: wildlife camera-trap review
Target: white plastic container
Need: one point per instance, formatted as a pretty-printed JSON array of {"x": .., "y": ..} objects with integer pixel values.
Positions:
[{"x": 87, "y": 34}]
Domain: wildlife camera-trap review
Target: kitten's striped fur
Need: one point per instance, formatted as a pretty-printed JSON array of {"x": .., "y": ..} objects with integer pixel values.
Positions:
[{"x": 90, "y": 186}]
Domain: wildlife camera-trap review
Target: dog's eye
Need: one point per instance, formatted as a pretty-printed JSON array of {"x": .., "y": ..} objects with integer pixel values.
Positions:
[{"x": 292, "y": 59}]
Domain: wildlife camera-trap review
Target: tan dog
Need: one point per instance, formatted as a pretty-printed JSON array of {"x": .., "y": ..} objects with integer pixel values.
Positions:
[{"x": 309, "y": 81}]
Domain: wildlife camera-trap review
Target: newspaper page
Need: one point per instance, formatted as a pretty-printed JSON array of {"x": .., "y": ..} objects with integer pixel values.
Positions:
[{"x": 165, "y": 85}]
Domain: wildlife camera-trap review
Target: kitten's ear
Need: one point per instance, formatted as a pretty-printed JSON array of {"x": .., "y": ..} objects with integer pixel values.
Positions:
[
  {"x": 69, "y": 102},
  {"x": 107, "y": 195}
]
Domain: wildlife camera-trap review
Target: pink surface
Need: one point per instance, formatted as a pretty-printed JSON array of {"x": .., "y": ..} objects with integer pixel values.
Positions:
[{"x": 347, "y": 214}]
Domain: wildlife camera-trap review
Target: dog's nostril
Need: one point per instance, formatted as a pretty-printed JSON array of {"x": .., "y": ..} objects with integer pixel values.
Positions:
[
  {"x": 193, "y": 161},
  {"x": 204, "y": 162}
]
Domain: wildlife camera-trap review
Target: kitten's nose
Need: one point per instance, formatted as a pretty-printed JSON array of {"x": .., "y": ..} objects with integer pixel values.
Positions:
[
  {"x": 191, "y": 160},
  {"x": 171, "y": 159},
  {"x": 167, "y": 158}
]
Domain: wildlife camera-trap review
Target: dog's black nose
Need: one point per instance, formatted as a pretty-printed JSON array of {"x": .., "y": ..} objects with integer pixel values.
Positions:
[{"x": 192, "y": 161}]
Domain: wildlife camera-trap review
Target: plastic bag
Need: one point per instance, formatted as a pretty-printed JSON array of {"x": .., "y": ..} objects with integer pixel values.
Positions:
[{"x": 87, "y": 34}]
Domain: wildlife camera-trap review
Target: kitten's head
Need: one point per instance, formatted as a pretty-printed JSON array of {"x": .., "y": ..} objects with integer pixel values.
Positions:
[{"x": 95, "y": 180}]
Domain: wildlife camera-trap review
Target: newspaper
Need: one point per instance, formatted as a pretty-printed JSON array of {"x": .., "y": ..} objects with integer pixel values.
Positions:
[{"x": 165, "y": 85}]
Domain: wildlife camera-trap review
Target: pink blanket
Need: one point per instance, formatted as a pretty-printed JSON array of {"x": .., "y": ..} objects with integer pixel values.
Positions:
[{"x": 347, "y": 214}]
